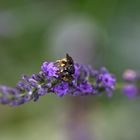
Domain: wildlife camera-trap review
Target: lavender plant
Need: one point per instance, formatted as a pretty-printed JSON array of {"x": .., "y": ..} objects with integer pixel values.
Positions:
[{"x": 61, "y": 77}]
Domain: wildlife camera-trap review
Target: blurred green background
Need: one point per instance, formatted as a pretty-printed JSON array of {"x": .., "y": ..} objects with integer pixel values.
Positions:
[{"x": 96, "y": 32}]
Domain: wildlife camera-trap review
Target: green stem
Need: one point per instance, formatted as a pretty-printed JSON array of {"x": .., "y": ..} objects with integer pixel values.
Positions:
[{"x": 119, "y": 86}]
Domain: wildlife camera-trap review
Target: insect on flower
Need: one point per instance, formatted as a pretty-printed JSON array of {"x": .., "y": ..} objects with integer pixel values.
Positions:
[{"x": 66, "y": 68}]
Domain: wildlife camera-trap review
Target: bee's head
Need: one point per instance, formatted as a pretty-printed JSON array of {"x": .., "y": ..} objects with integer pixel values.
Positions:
[{"x": 69, "y": 59}]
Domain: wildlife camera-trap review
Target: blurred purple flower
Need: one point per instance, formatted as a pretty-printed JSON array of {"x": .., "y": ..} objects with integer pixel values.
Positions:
[
  {"x": 130, "y": 75},
  {"x": 132, "y": 82},
  {"x": 130, "y": 91}
]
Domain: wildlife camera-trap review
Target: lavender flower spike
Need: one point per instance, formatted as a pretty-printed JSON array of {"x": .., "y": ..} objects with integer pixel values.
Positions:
[
  {"x": 132, "y": 81},
  {"x": 61, "y": 77}
]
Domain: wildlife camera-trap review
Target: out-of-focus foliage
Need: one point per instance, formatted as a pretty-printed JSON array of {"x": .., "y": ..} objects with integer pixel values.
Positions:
[{"x": 95, "y": 31}]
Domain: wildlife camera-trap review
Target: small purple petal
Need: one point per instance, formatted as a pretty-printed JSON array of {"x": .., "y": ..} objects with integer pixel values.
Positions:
[
  {"x": 61, "y": 89},
  {"x": 50, "y": 69},
  {"x": 85, "y": 88},
  {"x": 37, "y": 77},
  {"x": 41, "y": 91}
]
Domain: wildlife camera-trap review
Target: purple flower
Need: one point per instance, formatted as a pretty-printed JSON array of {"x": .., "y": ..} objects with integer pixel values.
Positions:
[
  {"x": 11, "y": 96},
  {"x": 130, "y": 75},
  {"x": 132, "y": 82},
  {"x": 130, "y": 90},
  {"x": 81, "y": 72},
  {"x": 30, "y": 81},
  {"x": 85, "y": 88},
  {"x": 23, "y": 86},
  {"x": 106, "y": 79},
  {"x": 42, "y": 90},
  {"x": 50, "y": 69},
  {"x": 61, "y": 89},
  {"x": 21, "y": 100},
  {"x": 37, "y": 77}
]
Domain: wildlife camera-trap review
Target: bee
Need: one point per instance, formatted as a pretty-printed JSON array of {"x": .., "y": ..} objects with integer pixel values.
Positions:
[{"x": 66, "y": 68}]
